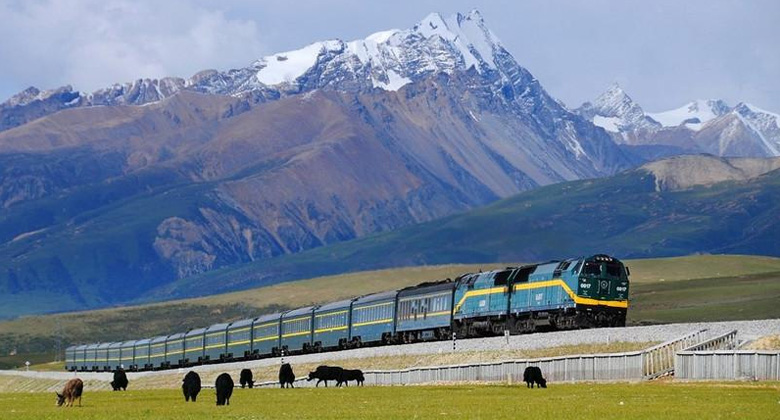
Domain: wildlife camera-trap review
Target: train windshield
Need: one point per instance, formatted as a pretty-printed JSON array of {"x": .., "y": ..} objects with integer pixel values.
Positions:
[{"x": 614, "y": 269}]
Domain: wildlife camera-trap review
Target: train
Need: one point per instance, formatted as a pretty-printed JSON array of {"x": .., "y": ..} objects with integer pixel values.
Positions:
[{"x": 582, "y": 292}]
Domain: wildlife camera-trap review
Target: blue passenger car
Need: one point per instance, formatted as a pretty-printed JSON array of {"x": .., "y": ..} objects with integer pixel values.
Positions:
[
  {"x": 174, "y": 350},
  {"x": 331, "y": 325},
  {"x": 114, "y": 351},
  {"x": 70, "y": 359},
  {"x": 193, "y": 346},
  {"x": 215, "y": 344},
  {"x": 265, "y": 335},
  {"x": 373, "y": 319},
  {"x": 141, "y": 359},
  {"x": 90, "y": 357},
  {"x": 425, "y": 311},
  {"x": 127, "y": 354},
  {"x": 239, "y": 339},
  {"x": 157, "y": 352},
  {"x": 81, "y": 362},
  {"x": 102, "y": 357},
  {"x": 297, "y": 330}
]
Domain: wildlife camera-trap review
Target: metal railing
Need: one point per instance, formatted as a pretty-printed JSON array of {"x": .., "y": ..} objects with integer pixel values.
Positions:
[
  {"x": 727, "y": 341},
  {"x": 659, "y": 360}
]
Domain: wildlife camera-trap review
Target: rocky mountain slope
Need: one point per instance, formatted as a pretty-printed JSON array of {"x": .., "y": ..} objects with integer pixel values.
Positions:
[
  {"x": 106, "y": 195},
  {"x": 654, "y": 210},
  {"x": 710, "y": 126}
]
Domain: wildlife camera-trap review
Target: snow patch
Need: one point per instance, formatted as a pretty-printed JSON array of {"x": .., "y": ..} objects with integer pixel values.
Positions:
[
  {"x": 607, "y": 123},
  {"x": 394, "y": 81},
  {"x": 288, "y": 66},
  {"x": 688, "y": 114}
]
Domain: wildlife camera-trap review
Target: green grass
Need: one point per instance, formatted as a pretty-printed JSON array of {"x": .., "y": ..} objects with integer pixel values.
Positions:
[
  {"x": 559, "y": 401},
  {"x": 752, "y": 296}
]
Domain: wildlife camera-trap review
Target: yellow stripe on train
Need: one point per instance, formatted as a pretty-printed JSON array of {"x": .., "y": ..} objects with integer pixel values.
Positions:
[{"x": 539, "y": 285}]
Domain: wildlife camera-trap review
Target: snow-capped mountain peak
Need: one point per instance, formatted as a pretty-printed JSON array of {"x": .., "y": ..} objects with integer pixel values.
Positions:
[
  {"x": 614, "y": 111},
  {"x": 693, "y": 114}
]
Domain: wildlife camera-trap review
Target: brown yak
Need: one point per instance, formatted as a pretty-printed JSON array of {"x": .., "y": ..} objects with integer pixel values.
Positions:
[{"x": 73, "y": 389}]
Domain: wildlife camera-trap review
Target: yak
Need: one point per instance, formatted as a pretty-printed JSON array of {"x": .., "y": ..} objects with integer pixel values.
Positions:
[
  {"x": 534, "y": 374},
  {"x": 73, "y": 389},
  {"x": 286, "y": 376},
  {"x": 224, "y": 387},
  {"x": 120, "y": 380},
  {"x": 191, "y": 386},
  {"x": 325, "y": 373},
  {"x": 246, "y": 379},
  {"x": 351, "y": 375}
]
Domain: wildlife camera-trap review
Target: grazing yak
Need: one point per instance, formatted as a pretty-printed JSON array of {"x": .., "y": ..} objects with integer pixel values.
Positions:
[
  {"x": 246, "y": 379},
  {"x": 534, "y": 374},
  {"x": 325, "y": 373},
  {"x": 191, "y": 386},
  {"x": 351, "y": 375},
  {"x": 73, "y": 389},
  {"x": 120, "y": 380},
  {"x": 286, "y": 375},
  {"x": 224, "y": 386}
]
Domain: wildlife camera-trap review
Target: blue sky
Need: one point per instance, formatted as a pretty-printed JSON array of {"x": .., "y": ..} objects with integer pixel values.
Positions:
[{"x": 663, "y": 53}]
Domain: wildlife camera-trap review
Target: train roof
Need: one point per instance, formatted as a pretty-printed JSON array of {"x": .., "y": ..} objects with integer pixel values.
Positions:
[
  {"x": 375, "y": 297},
  {"x": 241, "y": 323},
  {"x": 82, "y": 347},
  {"x": 115, "y": 344},
  {"x": 195, "y": 332},
  {"x": 427, "y": 287},
  {"x": 298, "y": 312},
  {"x": 104, "y": 345},
  {"x": 128, "y": 343},
  {"x": 268, "y": 317},
  {"x": 176, "y": 336},
  {"x": 143, "y": 341},
  {"x": 335, "y": 305},
  {"x": 93, "y": 346},
  {"x": 217, "y": 327},
  {"x": 71, "y": 348},
  {"x": 160, "y": 339}
]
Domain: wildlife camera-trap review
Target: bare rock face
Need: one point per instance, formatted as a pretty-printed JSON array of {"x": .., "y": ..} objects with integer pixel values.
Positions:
[{"x": 683, "y": 172}]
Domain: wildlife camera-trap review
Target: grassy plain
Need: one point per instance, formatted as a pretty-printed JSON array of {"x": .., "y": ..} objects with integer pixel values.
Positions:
[
  {"x": 580, "y": 401},
  {"x": 694, "y": 288}
]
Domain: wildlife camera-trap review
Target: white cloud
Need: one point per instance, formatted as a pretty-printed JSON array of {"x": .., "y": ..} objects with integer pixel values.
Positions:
[{"x": 95, "y": 43}]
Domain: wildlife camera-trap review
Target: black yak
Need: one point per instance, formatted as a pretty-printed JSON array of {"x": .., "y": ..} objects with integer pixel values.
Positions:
[
  {"x": 351, "y": 375},
  {"x": 325, "y": 373},
  {"x": 120, "y": 380},
  {"x": 224, "y": 387},
  {"x": 286, "y": 375},
  {"x": 73, "y": 389},
  {"x": 246, "y": 378},
  {"x": 534, "y": 374},
  {"x": 191, "y": 386}
]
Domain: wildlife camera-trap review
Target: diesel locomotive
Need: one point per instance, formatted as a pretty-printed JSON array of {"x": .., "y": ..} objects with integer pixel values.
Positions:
[{"x": 574, "y": 293}]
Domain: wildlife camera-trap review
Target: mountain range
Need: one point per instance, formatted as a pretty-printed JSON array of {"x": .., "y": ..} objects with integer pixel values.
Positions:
[
  {"x": 701, "y": 126},
  {"x": 141, "y": 190}
]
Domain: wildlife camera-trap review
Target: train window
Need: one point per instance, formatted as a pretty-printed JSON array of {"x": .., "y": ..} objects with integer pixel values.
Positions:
[
  {"x": 613, "y": 269},
  {"x": 501, "y": 278},
  {"x": 522, "y": 274},
  {"x": 592, "y": 268}
]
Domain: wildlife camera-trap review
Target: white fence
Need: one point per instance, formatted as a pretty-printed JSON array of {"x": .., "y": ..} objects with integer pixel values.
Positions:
[
  {"x": 628, "y": 366},
  {"x": 728, "y": 365}
]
